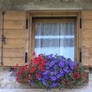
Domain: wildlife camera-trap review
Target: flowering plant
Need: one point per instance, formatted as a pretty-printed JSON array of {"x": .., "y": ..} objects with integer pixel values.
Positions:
[{"x": 51, "y": 71}]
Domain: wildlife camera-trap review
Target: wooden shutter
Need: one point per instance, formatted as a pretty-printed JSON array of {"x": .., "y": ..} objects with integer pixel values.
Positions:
[
  {"x": 87, "y": 38},
  {"x": 0, "y": 36},
  {"x": 14, "y": 47}
]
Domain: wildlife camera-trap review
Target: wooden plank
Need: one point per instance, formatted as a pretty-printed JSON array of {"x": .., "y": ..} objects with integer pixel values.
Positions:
[
  {"x": 14, "y": 24},
  {"x": 51, "y": 13},
  {"x": 87, "y": 52},
  {"x": 14, "y": 52},
  {"x": 15, "y": 15},
  {"x": 87, "y": 38},
  {"x": 87, "y": 43},
  {"x": 14, "y": 43},
  {"x": 87, "y": 14},
  {"x": 87, "y": 24},
  {"x": 14, "y": 34},
  {"x": 87, "y": 34},
  {"x": 13, "y": 61},
  {"x": 87, "y": 61},
  {"x": 53, "y": 20}
]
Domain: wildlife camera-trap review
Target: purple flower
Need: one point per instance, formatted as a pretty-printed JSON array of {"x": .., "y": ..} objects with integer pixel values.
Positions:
[
  {"x": 31, "y": 83},
  {"x": 53, "y": 78},
  {"x": 46, "y": 77},
  {"x": 45, "y": 72},
  {"x": 53, "y": 85},
  {"x": 55, "y": 61},
  {"x": 39, "y": 72},
  {"x": 46, "y": 64},
  {"x": 61, "y": 71},
  {"x": 62, "y": 57},
  {"x": 51, "y": 64},
  {"x": 72, "y": 65},
  {"x": 39, "y": 78},
  {"x": 61, "y": 64},
  {"x": 52, "y": 73},
  {"x": 55, "y": 66},
  {"x": 47, "y": 67},
  {"x": 51, "y": 69},
  {"x": 55, "y": 72},
  {"x": 59, "y": 75},
  {"x": 43, "y": 82},
  {"x": 67, "y": 62},
  {"x": 50, "y": 56},
  {"x": 66, "y": 69}
]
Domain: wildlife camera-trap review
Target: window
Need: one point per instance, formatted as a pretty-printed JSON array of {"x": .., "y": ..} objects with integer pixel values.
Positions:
[{"x": 55, "y": 37}]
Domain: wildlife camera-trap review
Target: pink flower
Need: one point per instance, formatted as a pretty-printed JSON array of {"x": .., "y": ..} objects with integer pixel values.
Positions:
[
  {"x": 15, "y": 67},
  {"x": 17, "y": 78},
  {"x": 30, "y": 77},
  {"x": 18, "y": 73}
]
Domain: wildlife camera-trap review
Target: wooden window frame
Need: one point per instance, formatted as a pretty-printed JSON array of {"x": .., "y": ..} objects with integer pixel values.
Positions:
[{"x": 53, "y": 13}]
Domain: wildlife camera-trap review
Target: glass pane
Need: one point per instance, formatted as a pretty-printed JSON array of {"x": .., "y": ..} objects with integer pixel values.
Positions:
[{"x": 55, "y": 38}]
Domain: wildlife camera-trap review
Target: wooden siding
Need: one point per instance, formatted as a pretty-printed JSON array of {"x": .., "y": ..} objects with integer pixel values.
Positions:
[
  {"x": 87, "y": 38},
  {"x": 14, "y": 47}
]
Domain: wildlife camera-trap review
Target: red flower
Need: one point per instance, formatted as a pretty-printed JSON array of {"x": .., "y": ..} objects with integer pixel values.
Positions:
[
  {"x": 43, "y": 69},
  {"x": 73, "y": 78},
  {"x": 22, "y": 71},
  {"x": 77, "y": 73},
  {"x": 18, "y": 73},
  {"x": 43, "y": 61},
  {"x": 33, "y": 54},
  {"x": 21, "y": 67},
  {"x": 66, "y": 84},
  {"x": 34, "y": 62},
  {"x": 31, "y": 60},
  {"x": 40, "y": 66},
  {"x": 77, "y": 64},
  {"x": 38, "y": 62},
  {"x": 25, "y": 79},
  {"x": 83, "y": 71},
  {"x": 39, "y": 56},
  {"x": 79, "y": 76},
  {"x": 15, "y": 67},
  {"x": 73, "y": 74},
  {"x": 30, "y": 77},
  {"x": 61, "y": 81},
  {"x": 17, "y": 78},
  {"x": 75, "y": 67},
  {"x": 37, "y": 74},
  {"x": 26, "y": 68},
  {"x": 26, "y": 65},
  {"x": 82, "y": 75},
  {"x": 32, "y": 69}
]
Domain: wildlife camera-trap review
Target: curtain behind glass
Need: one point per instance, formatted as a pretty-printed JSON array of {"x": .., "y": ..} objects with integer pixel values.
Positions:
[{"x": 55, "y": 38}]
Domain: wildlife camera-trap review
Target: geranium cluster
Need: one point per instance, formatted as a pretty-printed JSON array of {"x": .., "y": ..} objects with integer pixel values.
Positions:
[{"x": 48, "y": 71}]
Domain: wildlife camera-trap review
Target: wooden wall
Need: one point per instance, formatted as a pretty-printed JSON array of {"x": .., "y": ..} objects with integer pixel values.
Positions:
[
  {"x": 14, "y": 47},
  {"x": 87, "y": 38}
]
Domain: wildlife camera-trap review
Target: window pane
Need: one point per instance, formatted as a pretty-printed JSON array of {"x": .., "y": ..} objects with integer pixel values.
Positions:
[{"x": 55, "y": 38}]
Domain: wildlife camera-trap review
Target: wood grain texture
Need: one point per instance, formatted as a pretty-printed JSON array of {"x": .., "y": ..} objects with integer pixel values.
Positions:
[
  {"x": 87, "y": 38},
  {"x": 14, "y": 47}
]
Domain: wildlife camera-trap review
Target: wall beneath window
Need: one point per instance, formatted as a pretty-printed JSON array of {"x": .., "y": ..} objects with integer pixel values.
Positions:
[{"x": 45, "y": 4}]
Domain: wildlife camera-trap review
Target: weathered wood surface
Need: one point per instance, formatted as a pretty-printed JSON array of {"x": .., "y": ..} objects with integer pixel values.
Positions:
[
  {"x": 14, "y": 47},
  {"x": 87, "y": 38}
]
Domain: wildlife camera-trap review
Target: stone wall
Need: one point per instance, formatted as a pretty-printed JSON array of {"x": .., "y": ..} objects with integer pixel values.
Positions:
[{"x": 45, "y": 4}]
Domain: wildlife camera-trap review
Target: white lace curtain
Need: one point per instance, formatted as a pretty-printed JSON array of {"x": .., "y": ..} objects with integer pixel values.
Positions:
[{"x": 55, "y": 38}]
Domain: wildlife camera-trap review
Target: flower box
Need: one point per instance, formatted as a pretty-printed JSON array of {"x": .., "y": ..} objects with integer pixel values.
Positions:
[{"x": 52, "y": 72}]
